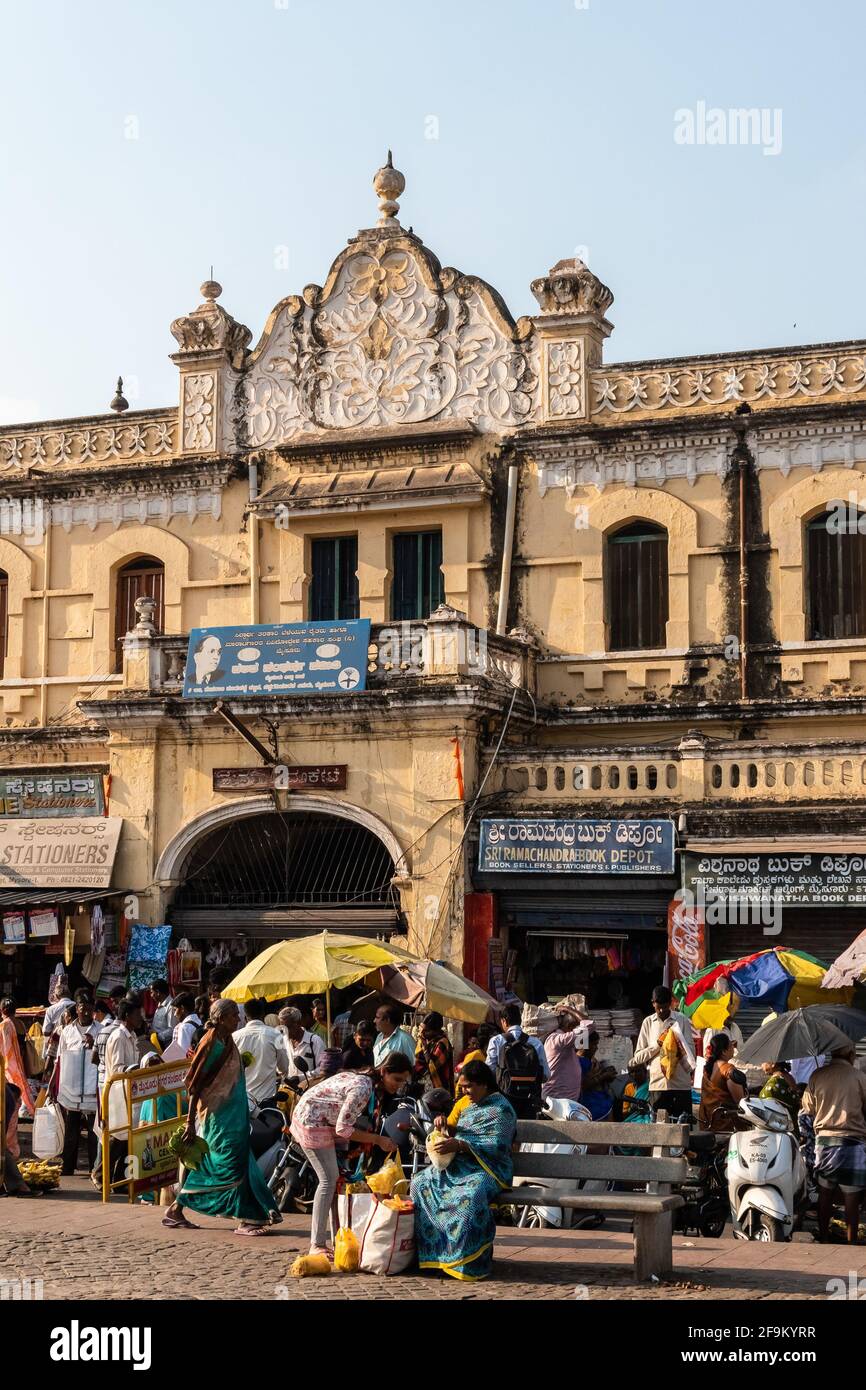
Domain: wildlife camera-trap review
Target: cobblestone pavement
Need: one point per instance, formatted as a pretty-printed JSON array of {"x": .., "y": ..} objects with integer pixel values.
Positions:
[{"x": 83, "y": 1249}]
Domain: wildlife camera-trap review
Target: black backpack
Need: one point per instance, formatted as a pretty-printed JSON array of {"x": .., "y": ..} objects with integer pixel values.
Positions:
[{"x": 519, "y": 1076}]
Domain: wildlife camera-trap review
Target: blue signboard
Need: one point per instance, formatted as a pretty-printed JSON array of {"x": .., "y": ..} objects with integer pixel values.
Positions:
[
  {"x": 576, "y": 847},
  {"x": 277, "y": 659}
]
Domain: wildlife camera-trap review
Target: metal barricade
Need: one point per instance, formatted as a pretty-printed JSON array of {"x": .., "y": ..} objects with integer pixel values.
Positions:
[{"x": 149, "y": 1163}]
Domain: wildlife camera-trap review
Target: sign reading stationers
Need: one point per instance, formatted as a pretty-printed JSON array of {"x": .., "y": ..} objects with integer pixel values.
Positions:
[
  {"x": 576, "y": 846},
  {"x": 71, "y": 853},
  {"x": 277, "y": 659}
]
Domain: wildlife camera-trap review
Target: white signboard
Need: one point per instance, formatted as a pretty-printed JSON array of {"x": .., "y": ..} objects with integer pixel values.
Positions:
[{"x": 76, "y": 852}]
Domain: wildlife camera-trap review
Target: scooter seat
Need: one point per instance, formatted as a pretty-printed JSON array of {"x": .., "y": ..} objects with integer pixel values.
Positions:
[{"x": 702, "y": 1141}]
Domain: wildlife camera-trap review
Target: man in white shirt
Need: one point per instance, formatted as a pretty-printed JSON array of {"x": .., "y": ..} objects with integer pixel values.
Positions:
[
  {"x": 300, "y": 1043},
  {"x": 121, "y": 1054},
  {"x": 187, "y": 1022},
  {"x": 391, "y": 1037},
  {"x": 509, "y": 1022},
  {"x": 671, "y": 1093},
  {"x": 268, "y": 1049},
  {"x": 77, "y": 1093},
  {"x": 164, "y": 1017}
]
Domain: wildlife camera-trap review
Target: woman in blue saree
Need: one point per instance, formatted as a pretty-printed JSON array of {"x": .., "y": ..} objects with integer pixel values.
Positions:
[
  {"x": 227, "y": 1181},
  {"x": 454, "y": 1226}
]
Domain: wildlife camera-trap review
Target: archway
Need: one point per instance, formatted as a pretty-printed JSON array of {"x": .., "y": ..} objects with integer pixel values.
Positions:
[{"x": 252, "y": 871}]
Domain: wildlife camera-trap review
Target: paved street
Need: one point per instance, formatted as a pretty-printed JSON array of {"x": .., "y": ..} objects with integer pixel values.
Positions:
[{"x": 85, "y": 1250}]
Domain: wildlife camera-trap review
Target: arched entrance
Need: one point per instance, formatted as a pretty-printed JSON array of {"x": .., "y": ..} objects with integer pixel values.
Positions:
[{"x": 267, "y": 874}]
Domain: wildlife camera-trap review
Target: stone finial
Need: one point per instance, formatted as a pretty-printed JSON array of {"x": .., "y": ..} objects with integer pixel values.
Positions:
[
  {"x": 119, "y": 402},
  {"x": 388, "y": 184},
  {"x": 571, "y": 288},
  {"x": 210, "y": 328},
  {"x": 145, "y": 609}
]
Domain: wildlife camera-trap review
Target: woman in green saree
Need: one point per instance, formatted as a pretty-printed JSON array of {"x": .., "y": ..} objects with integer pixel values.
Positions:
[
  {"x": 227, "y": 1182},
  {"x": 454, "y": 1226}
]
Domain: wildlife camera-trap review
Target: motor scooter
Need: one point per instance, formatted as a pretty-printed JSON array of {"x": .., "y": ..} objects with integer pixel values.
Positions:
[
  {"x": 767, "y": 1176},
  {"x": 541, "y": 1216}
]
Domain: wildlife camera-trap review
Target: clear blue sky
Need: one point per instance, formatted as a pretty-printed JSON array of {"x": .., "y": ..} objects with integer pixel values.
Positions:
[{"x": 261, "y": 122}]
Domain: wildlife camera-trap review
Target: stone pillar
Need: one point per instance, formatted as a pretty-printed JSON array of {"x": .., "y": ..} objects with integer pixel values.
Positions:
[
  {"x": 210, "y": 353},
  {"x": 571, "y": 330}
]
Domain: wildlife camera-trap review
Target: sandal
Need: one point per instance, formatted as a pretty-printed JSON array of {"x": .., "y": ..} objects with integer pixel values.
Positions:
[
  {"x": 251, "y": 1231},
  {"x": 175, "y": 1223}
]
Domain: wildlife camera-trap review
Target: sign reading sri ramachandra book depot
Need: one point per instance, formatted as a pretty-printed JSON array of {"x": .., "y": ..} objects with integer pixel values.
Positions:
[{"x": 576, "y": 846}]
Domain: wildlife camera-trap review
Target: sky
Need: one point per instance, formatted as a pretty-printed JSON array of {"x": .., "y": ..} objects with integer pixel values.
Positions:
[{"x": 142, "y": 141}]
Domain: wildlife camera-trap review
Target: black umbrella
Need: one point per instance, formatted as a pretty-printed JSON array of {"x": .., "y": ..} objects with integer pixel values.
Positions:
[
  {"x": 851, "y": 1022},
  {"x": 800, "y": 1033}
]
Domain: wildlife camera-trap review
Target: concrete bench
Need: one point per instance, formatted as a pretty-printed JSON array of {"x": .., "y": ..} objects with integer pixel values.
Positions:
[{"x": 655, "y": 1169}]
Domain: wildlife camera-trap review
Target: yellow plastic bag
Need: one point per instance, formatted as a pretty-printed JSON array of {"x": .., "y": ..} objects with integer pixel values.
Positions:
[
  {"x": 305, "y": 1265},
  {"x": 384, "y": 1182},
  {"x": 347, "y": 1251},
  {"x": 670, "y": 1052}
]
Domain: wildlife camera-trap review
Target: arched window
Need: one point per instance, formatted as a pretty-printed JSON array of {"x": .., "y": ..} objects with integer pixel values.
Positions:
[
  {"x": 636, "y": 587},
  {"x": 836, "y": 575},
  {"x": 4, "y": 619},
  {"x": 141, "y": 578}
]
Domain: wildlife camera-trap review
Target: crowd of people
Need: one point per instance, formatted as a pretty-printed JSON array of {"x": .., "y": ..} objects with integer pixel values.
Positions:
[{"x": 347, "y": 1079}]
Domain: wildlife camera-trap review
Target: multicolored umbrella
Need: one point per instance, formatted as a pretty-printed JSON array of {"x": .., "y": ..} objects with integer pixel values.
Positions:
[{"x": 779, "y": 978}]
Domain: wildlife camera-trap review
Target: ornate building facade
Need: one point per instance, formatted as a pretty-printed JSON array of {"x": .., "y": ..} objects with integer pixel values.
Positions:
[{"x": 598, "y": 591}]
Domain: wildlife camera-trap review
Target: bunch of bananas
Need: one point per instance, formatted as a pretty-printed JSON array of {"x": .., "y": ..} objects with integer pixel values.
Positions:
[{"x": 41, "y": 1176}]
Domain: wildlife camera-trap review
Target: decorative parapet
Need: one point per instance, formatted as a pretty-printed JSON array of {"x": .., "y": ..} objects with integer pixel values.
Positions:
[
  {"x": 88, "y": 442},
  {"x": 447, "y": 645},
  {"x": 833, "y": 373},
  {"x": 697, "y": 772}
]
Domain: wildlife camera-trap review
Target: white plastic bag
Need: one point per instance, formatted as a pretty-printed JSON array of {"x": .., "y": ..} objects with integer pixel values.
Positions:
[
  {"x": 354, "y": 1210},
  {"x": 388, "y": 1242},
  {"x": 438, "y": 1160},
  {"x": 49, "y": 1131}
]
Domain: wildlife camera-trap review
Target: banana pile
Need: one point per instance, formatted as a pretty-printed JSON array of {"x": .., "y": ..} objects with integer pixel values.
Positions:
[{"x": 41, "y": 1176}]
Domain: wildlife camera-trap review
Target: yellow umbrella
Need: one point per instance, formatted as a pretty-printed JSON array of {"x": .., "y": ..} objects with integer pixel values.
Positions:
[{"x": 310, "y": 964}]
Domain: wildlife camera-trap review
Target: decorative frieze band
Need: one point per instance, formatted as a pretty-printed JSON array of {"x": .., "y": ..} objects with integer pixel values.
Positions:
[
  {"x": 780, "y": 379},
  {"x": 77, "y": 447}
]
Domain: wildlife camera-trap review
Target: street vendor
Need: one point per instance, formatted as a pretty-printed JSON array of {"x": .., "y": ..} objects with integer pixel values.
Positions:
[{"x": 670, "y": 1079}]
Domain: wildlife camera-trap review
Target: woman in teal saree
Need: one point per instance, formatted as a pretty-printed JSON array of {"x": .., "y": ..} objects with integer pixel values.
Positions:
[
  {"x": 227, "y": 1181},
  {"x": 454, "y": 1226}
]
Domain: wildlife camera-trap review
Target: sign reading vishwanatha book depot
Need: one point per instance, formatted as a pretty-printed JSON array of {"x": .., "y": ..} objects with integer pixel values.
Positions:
[{"x": 76, "y": 852}]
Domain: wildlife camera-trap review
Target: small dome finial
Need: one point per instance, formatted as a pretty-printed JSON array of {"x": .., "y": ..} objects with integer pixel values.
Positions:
[
  {"x": 119, "y": 403},
  {"x": 388, "y": 184}
]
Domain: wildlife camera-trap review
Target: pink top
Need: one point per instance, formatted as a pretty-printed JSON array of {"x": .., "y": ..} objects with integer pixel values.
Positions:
[
  {"x": 564, "y": 1063},
  {"x": 330, "y": 1109}
]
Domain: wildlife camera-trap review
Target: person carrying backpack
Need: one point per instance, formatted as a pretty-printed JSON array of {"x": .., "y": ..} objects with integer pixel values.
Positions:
[{"x": 518, "y": 1063}]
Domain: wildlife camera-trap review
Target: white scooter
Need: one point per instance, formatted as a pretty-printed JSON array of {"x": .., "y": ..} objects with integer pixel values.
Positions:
[
  {"x": 766, "y": 1173},
  {"x": 536, "y": 1217}
]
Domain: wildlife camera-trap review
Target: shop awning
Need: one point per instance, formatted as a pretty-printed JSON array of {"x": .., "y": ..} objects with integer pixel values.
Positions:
[
  {"x": 39, "y": 897},
  {"x": 781, "y": 844},
  {"x": 272, "y": 924}
]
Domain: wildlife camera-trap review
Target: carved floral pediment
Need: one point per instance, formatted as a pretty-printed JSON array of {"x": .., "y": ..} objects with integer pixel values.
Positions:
[{"x": 391, "y": 339}]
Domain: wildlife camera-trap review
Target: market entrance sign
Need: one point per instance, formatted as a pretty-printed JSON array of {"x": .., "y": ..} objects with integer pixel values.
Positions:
[
  {"x": 795, "y": 880},
  {"x": 74, "y": 853},
  {"x": 277, "y": 659},
  {"x": 576, "y": 846},
  {"x": 294, "y": 777}
]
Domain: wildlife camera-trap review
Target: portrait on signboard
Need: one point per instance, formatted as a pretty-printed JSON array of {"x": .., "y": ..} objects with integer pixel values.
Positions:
[{"x": 204, "y": 667}]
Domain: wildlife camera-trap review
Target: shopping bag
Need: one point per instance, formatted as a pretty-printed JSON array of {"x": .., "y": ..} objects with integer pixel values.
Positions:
[
  {"x": 383, "y": 1182},
  {"x": 49, "y": 1131},
  {"x": 388, "y": 1242},
  {"x": 354, "y": 1210}
]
